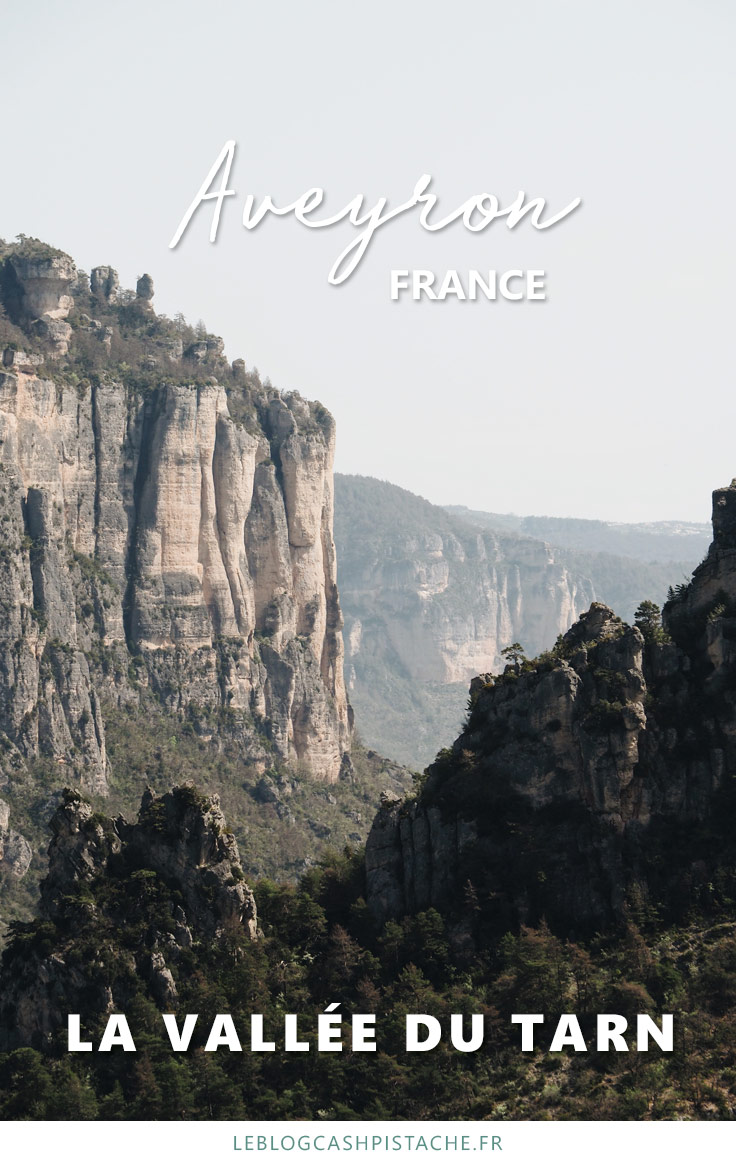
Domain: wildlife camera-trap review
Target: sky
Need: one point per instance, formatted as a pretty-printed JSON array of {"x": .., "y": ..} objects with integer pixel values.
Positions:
[{"x": 612, "y": 399}]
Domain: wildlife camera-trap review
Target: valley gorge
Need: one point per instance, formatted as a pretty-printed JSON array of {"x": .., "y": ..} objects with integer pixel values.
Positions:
[
  {"x": 432, "y": 597},
  {"x": 184, "y": 795},
  {"x": 578, "y": 774},
  {"x": 169, "y": 584}
]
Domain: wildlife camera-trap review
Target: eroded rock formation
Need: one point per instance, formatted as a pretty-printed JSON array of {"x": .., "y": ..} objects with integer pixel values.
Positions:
[
  {"x": 171, "y": 879},
  {"x": 578, "y": 776},
  {"x": 104, "y": 283},
  {"x": 40, "y": 285}
]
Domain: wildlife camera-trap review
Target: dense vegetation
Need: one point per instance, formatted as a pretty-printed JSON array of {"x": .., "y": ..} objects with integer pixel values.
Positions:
[{"x": 319, "y": 946}]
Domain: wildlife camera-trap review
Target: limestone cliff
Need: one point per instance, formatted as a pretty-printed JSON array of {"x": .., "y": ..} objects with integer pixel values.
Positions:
[
  {"x": 579, "y": 775},
  {"x": 166, "y": 527}
]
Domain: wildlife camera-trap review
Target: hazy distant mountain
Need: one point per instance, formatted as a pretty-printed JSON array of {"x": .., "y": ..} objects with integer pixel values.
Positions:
[
  {"x": 430, "y": 599},
  {"x": 662, "y": 540}
]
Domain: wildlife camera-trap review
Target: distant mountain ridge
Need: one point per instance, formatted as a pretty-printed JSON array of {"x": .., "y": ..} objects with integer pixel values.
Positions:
[
  {"x": 660, "y": 540},
  {"x": 431, "y": 598}
]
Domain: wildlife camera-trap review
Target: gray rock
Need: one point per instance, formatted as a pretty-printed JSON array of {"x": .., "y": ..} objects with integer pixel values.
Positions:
[
  {"x": 15, "y": 360},
  {"x": 44, "y": 298},
  {"x": 55, "y": 332},
  {"x": 161, "y": 981},
  {"x": 104, "y": 283},
  {"x": 44, "y": 283},
  {"x": 144, "y": 290}
]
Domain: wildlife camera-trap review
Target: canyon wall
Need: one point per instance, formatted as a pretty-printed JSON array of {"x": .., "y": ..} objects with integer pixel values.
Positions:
[{"x": 166, "y": 529}]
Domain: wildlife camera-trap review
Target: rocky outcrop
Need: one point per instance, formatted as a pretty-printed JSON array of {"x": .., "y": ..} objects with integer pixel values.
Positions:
[
  {"x": 572, "y": 771},
  {"x": 40, "y": 293},
  {"x": 713, "y": 589},
  {"x": 182, "y": 836},
  {"x": 168, "y": 881},
  {"x": 176, "y": 539},
  {"x": 44, "y": 284},
  {"x": 144, "y": 291},
  {"x": 15, "y": 850},
  {"x": 80, "y": 849},
  {"x": 104, "y": 283}
]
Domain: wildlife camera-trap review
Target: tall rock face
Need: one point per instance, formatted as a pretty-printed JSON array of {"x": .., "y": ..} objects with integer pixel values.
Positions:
[
  {"x": 578, "y": 775},
  {"x": 167, "y": 525},
  {"x": 428, "y": 602},
  {"x": 153, "y": 888},
  {"x": 449, "y": 596}
]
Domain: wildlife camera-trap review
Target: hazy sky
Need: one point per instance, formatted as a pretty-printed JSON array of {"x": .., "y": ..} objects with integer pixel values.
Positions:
[{"x": 612, "y": 399}]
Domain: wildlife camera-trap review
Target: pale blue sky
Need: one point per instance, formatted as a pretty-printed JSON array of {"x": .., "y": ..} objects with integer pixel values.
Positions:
[{"x": 613, "y": 399}]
